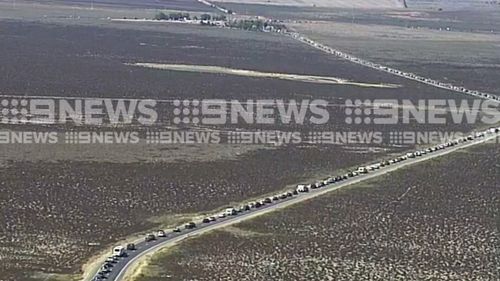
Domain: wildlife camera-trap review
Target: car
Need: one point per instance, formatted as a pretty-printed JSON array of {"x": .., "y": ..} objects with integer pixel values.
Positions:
[
  {"x": 283, "y": 196},
  {"x": 275, "y": 198},
  {"x": 161, "y": 233},
  {"x": 221, "y": 215},
  {"x": 111, "y": 260},
  {"x": 268, "y": 200},
  {"x": 246, "y": 208},
  {"x": 231, "y": 211},
  {"x": 190, "y": 225},
  {"x": 205, "y": 220},
  {"x": 131, "y": 247},
  {"x": 177, "y": 230},
  {"x": 302, "y": 188},
  {"x": 295, "y": 192},
  {"x": 105, "y": 269},
  {"x": 362, "y": 170},
  {"x": 150, "y": 237},
  {"x": 258, "y": 205}
]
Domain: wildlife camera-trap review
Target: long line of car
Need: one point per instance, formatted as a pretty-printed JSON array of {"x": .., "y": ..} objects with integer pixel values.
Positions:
[
  {"x": 122, "y": 251},
  {"x": 354, "y": 59},
  {"x": 390, "y": 70}
]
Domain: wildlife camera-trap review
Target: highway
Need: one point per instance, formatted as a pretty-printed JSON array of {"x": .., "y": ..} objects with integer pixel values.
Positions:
[
  {"x": 340, "y": 54},
  {"x": 121, "y": 268}
]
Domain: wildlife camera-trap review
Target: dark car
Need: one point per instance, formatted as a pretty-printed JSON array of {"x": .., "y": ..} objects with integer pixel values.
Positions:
[
  {"x": 268, "y": 200},
  {"x": 190, "y": 225},
  {"x": 206, "y": 220},
  {"x": 131, "y": 247},
  {"x": 150, "y": 237}
]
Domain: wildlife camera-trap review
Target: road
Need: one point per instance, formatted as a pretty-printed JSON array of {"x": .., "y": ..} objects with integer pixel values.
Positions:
[
  {"x": 121, "y": 268},
  {"x": 340, "y": 54},
  {"x": 407, "y": 75}
]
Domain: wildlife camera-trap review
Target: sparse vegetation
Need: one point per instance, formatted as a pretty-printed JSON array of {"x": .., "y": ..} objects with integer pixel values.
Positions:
[
  {"x": 59, "y": 209},
  {"x": 431, "y": 221},
  {"x": 172, "y": 16}
]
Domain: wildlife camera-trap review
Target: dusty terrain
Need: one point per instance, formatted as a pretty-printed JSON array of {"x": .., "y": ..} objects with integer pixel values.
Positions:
[
  {"x": 432, "y": 221},
  {"x": 453, "y": 46},
  {"x": 56, "y": 200},
  {"x": 365, "y": 4}
]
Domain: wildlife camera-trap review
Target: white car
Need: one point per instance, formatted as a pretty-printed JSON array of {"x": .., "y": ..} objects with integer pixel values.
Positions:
[
  {"x": 362, "y": 170},
  {"x": 302, "y": 188},
  {"x": 231, "y": 212},
  {"x": 161, "y": 233},
  {"x": 119, "y": 251}
]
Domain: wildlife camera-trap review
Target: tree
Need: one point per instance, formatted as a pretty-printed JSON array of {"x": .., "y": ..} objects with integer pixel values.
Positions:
[
  {"x": 206, "y": 17},
  {"x": 161, "y": 16}
]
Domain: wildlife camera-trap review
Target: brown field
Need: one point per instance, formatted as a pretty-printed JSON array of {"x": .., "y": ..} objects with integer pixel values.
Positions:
[
  {"x": 455, "y": 48},
  {"x": 363, "y": 4},
  {"x": 58, "y": 200},
  {"x": 434, "y": 221}
]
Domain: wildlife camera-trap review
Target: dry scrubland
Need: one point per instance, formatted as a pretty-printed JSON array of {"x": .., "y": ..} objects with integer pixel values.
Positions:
[
  {"x": 53, "y": 206},
  {"x": 434, "y": 221},
  {"x": 467, "y": 55},
  {"x": 364, "y": 4}
]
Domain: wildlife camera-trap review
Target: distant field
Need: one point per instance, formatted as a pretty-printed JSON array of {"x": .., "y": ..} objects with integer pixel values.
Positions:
[
  {"x": 374, "y": 4},
  {"x": 188, "y": 5},
  {"x": 462, "y": 58},
  {"x": 365, "y": 4}
]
